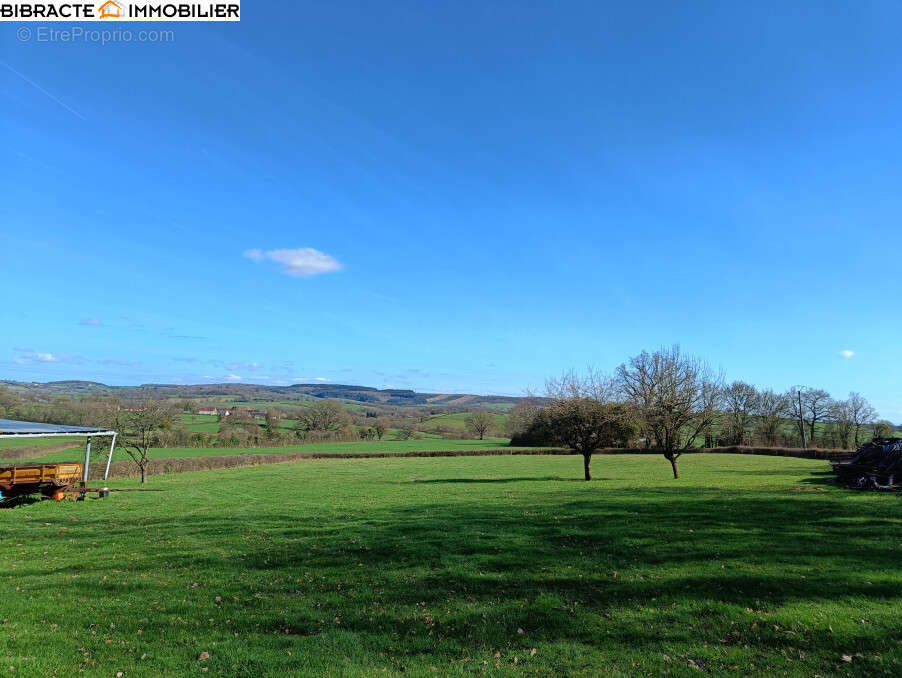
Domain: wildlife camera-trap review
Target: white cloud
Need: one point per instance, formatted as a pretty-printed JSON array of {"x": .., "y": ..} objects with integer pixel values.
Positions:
[
  {"x": 252, "y": 367},
  {"x": 30, "y": 356},
  {"x": 298, "y": 263},
  {"x": 320, "y": 379},
  {"x": 91, "y": 322},
  {"x": 234, "y": 377},
  {"x": 847, "y": 354}
]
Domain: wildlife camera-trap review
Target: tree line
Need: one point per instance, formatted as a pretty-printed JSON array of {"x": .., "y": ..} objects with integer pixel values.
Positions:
[{"x": 672, "y": 402}]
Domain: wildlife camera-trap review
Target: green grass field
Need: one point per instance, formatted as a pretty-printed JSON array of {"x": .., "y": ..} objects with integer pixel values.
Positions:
[
  {"x": 460, "y": 566},
  {"x": 52, "y": 441},
  {"x": 204, "y": 423},
  {"x": 458, "y": 421},
  {"x": 363, "y": 446},
  {"x": 208, "y": 423}
]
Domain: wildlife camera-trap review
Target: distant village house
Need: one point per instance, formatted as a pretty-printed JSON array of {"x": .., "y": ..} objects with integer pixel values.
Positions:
[{"x": 213, "y": 411}]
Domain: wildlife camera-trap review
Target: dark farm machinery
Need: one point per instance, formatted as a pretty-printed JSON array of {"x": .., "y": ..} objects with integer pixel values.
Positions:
[{"x": 876, "y": 465}]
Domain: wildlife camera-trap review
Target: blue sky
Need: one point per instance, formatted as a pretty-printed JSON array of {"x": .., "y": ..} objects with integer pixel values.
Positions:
[{"x": 494, "y": 191}]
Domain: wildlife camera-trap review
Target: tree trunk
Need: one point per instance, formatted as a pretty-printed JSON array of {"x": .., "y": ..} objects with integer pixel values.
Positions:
[
  {"x": 673, "y": 463},
  {"x": 143, "y": 475},
  {"x": 587, "y": 459}
]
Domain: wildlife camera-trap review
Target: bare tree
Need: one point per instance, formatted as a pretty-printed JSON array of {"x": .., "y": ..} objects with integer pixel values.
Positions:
[
  {"x": 479, "y": 422},
  {"x": 580, "y": 416},
  {"x": 380, "y": 427},
  {"x": 816, "y": 406},
  {"x": 861, "y": 414},
  {"x": 406, "y": 432},
  {"x": 841, "y": 423},
  {"x": 325, "y": 415},
  {"x": 139, "y": 427},
  {"x": 740, "y": 406},
  {"x": 771, "y": 413},
  {"x": 273, "y": 422},
  {"x": 8, "y": 402},
  {"x": 584, "y": 425},
  {"x": 593, "y": 384},
  {"x": 796, "y": 411},
  {"x": 521, "y": 417},
  {"x": 677, "y": 398}
]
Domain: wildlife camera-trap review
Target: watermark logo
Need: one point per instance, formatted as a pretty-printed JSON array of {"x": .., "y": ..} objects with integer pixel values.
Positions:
[
  {"x": 118, "y": 10},
  {"x": 85, "y": 34},
  {"x": 110, "y": 9}
]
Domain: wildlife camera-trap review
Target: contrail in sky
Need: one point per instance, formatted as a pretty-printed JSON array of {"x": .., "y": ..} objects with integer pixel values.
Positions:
[{"x": 45, "y": 92}]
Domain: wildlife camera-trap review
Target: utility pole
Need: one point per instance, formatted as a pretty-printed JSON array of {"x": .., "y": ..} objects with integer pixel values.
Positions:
[{"x": 802, "y": 422}]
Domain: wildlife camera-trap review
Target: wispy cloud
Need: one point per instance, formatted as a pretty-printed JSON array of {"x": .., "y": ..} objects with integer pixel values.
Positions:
[
  {"x": 250, "y": 367},
  {"x": 191, "y": 337},
  {"x": 234, "y": 377},
  {"x": 119, "y": 363},
  {"x": 37, "y": 357},
  {"x": 90, "y": 322},
  {"x": 28, "y": 356},
  {"x": 297, "y": 263},
  {"x": 847, "y": 353}
]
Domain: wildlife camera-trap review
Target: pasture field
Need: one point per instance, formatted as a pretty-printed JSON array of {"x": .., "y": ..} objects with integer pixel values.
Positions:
[
  {"x": 208, "y": 423},
  {"x": 458, "y": 421},
  {"x": 477, "y": 566},
  {"x": 205, "y": 423},
  {"x": 362, "y": 446},
  {"x": 52, "y": 441},
  {"x": 28, "y": 448}
]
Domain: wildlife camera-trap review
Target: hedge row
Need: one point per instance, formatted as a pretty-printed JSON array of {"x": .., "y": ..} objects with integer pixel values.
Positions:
[
  {"x": 811, "y": 453},
  {"x": 128, "y": 469}
]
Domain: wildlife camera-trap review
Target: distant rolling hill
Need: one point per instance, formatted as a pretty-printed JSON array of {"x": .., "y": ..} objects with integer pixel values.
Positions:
[{"x": 261, "y": 392}]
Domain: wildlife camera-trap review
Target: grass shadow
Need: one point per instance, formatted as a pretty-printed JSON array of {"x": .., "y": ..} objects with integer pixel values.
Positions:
[{"x": 442, "y": 481}]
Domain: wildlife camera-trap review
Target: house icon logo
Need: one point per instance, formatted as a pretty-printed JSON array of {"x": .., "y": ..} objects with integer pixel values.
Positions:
[{"x": 110, "y": 10}]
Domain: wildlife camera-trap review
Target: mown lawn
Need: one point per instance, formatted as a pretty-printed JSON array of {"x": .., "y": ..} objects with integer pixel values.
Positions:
[{"x": 460, "y": 566}]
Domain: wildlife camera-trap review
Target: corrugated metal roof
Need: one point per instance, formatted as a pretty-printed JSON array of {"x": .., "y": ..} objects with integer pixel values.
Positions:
[{"x": 35, "y": 428}]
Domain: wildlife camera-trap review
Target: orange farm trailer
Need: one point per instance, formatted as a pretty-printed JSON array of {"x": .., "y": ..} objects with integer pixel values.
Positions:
[{"x": 50, "y": 480}]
